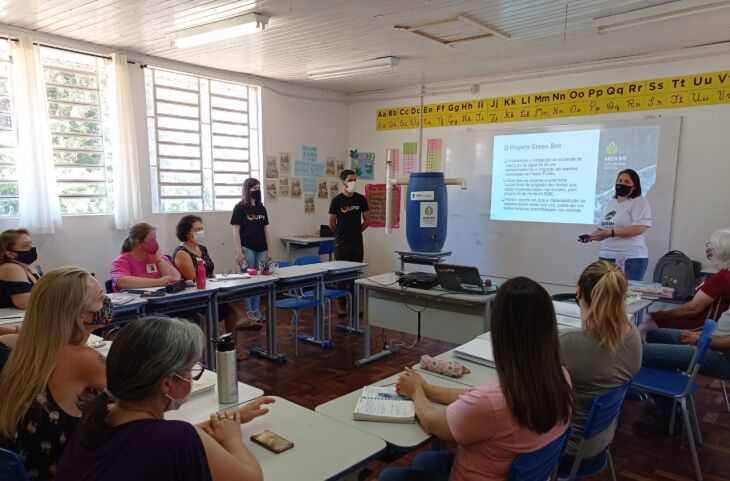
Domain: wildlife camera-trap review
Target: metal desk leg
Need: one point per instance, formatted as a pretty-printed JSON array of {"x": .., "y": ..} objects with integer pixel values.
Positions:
[
  {"x": 318, "y": 337},
  {"x": 270, "y": 352},
  {"x": 288, "y": 251},
  {"x": 370, "y": 358},
  {"x": 212, "y": 333}
]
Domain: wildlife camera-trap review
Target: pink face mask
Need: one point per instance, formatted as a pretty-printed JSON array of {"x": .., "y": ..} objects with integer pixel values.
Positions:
[{"x": 151, "y": 246}]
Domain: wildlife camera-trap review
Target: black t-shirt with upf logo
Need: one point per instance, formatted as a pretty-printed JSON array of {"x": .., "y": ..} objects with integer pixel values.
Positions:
[
  {"x": 349, "y": 212},
  {"x": 252, "y": 219}
]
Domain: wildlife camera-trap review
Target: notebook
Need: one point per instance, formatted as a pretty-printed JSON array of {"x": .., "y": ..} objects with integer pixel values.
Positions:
[
  {"x": 383, "y": 404},
  {"x": 477, "y": 350},
  {"x": 119, "y": 299},
  {"x": 205, "y": 383},
  {"x": 229, "y": 277}
]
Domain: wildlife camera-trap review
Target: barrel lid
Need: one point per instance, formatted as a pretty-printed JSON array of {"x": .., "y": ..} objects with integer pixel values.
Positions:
[{"x": 427, "y": 174}]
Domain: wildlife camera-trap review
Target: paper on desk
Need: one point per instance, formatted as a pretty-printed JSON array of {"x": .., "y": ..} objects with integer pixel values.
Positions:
[
  {"x": 569, "y": 309},
  {"x": 382, "y": 403}
]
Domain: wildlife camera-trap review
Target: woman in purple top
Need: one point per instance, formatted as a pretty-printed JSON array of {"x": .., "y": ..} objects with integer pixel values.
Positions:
[{"x": 123, "y": 434}]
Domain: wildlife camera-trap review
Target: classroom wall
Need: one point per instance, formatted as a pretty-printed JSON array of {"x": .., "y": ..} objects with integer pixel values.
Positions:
[
  {"x": 701, "y": 200},
  {"x": 290, "y": 118}
]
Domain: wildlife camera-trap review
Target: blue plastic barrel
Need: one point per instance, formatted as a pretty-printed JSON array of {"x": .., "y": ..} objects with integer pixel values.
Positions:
[{"x": 426, "y": 212}]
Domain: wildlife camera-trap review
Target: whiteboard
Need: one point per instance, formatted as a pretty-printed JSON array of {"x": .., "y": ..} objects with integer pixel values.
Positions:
[{"x": 543, "y": 251}]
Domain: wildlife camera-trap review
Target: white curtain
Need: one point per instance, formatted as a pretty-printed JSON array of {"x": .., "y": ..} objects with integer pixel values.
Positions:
[
  {"x": 127, "y": 202},
  {"x": 38, "y": 193}
]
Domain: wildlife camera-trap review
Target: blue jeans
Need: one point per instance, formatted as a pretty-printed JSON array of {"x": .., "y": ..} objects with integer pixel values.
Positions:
[
  {"x": 428, "y": 466},
  {"x": 664, "y": 350},
  {"x": 633, "y": 268},
  {"x": 252, "y": 260}
]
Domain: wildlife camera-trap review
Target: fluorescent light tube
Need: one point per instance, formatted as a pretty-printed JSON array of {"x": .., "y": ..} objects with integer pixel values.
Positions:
[
  {"x": 357, "y": 68},
  {"x": 222, "y": 30},
  {"x": 665, "y": 11}
]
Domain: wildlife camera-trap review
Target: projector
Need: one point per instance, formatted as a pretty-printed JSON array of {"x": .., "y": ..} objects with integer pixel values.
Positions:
[{"x": 418, "y": 280}]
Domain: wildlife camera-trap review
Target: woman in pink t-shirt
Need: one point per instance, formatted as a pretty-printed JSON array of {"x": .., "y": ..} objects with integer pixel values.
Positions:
[
  {"x": 526, "y": 408},
  {"x": 141, "y": 263}
]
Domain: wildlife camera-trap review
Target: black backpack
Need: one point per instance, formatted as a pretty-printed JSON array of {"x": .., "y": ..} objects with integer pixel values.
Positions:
[{"x": 674, "y": 269}]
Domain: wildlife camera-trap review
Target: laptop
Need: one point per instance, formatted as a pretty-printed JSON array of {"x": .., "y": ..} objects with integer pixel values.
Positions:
[{"x": 460, "y": 278}]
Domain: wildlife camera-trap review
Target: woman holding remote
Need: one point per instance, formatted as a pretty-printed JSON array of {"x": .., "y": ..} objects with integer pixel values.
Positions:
[{"x": 623, "y": 224}]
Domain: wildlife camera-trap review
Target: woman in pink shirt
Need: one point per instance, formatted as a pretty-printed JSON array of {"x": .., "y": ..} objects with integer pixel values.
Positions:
[
  {"x": 141, "y": 263},
  {"x": 525, "y": 408}
]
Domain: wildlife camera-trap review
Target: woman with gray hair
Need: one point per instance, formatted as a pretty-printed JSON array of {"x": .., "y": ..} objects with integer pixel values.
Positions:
[
  {"x": 712, "y": 297},
  {"x": 123, "y": 434}
]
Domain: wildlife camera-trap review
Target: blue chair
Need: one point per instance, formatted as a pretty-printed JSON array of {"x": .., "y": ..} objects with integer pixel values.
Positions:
[
  {"x": 283, "y": 263},
  {"x": 541, "y": 464},
  {"x": 11, "y": 467},
  {"x": 680, "y": 387},
  {"x": 605, "y": 409},
  {"x": 305, "y": 260},
  {"x": 108, "y": 286},
  {"x": 296, "y": 304},
  {"x": 327, "y": 248},
  {"x": 328, "y": 294}
]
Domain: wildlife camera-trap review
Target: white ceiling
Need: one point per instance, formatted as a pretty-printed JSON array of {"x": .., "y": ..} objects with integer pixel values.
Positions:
[{"x": 305, "y": 34}]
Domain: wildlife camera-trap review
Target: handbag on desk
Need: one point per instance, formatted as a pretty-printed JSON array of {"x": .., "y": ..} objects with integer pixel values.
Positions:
[{"x": 325, "y": 231}]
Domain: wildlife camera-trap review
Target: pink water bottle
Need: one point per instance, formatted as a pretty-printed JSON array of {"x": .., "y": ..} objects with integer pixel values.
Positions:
[{"x": 200, "y": 275}]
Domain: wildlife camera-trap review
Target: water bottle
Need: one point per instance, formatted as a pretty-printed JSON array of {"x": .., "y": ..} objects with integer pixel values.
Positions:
[
  {"x": 621, "y": 262},
  {"x": 200, "y": 275},
  {"x": 225, "y": 358}
]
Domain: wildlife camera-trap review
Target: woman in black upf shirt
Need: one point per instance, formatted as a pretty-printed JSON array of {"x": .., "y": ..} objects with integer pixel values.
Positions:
[{"x": 251, "y": 233}]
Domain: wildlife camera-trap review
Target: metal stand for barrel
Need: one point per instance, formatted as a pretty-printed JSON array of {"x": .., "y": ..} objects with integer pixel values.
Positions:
[{"x": 421, "y": 258}]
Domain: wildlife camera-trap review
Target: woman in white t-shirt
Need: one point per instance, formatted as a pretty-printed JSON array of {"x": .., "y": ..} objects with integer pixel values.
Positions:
[{"x": 622, "y": 226}]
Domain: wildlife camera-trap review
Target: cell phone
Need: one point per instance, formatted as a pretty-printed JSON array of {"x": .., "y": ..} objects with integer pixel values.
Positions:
[
  {"x": 272, "y": 441},
  {"x": 584, "y": 238}
]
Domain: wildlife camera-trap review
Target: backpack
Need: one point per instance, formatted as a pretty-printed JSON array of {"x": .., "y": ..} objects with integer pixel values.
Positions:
[{"x": 674, "y": 269}]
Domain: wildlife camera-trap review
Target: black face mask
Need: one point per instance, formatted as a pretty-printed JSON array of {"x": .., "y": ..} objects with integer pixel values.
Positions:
[
  {"x": 26, "y": 257},
  {"x": 256, "y": 195},
  {"x": 623, "y": 190}
]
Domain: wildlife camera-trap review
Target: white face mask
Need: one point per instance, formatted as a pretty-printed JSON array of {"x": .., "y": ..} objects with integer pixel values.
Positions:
[
  {"x": 350, "y": 186},
  {"x": 199, "y": 236},
  {"x": 176, "y": 403}
]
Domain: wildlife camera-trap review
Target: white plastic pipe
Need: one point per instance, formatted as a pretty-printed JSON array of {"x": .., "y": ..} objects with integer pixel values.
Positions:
[{"x": 391, "y": 180}]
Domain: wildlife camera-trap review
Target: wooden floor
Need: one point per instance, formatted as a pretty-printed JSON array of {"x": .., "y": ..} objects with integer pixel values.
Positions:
[{"x": 320, "y": 375}]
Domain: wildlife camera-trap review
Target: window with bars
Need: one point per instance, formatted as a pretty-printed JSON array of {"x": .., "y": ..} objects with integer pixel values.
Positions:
[
  {"x": 203, "y": 139},
  {"x": 75, "y": 86},
  {"x": 8, "y": 173}
]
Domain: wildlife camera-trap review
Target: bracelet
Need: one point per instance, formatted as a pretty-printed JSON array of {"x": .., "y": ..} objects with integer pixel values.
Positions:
[{"x": 613, "y": 234}]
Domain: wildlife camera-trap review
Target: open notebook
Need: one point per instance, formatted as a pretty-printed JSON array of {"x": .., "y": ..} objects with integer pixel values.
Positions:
[
  {"x": 477, "y": 350},
  {"x": 382, "y": 404}
]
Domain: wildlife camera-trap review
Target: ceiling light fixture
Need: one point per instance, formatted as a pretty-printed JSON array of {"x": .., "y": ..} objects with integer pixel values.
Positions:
[
  {"x": 356, "y": 68},
  {"x": 665, "y": 11},
  {"x": 221, "y": 30}
]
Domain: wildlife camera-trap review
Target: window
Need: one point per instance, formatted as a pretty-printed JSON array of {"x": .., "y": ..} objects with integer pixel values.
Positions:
[
  {"x": 8, "y": 174},
  {"x": 74, "y": 86},
  {"x": 203, "y": 139}
]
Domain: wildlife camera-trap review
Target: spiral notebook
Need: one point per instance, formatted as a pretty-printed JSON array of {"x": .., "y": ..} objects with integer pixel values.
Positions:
[{"x": 383, "y": 404}]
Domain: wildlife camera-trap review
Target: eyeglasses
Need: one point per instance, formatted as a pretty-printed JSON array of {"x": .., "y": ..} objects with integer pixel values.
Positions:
[{"x": 196, "y": 372}]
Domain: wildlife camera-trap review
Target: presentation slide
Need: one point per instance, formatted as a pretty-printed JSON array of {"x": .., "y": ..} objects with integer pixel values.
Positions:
[{"x": 567, "y": 176}]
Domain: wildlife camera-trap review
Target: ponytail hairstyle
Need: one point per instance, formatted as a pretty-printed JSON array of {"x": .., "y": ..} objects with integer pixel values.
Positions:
[
  {"x": 603, "y": 287},
  {"x": 53, "y": 320},
  {"x": 248, "y": 184},
  {"x": 527, "y": 355},
  {"x": 8, "y": 239},
  {"x": 144, "y": 353},
  {"x": 137, "y": 232}
]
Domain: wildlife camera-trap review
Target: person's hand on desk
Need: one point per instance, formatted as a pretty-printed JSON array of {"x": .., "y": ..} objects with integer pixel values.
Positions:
[
  {"x": 409, "y": 382},
  {"x": 239, "y": 257},
  {"x": 690, "y": 337},
  {"x": 163, "y": 281},
  {"x": 600, "y": 234},
  {"x": 254, "y": 409},
  {"x": 225, "y": 429}
]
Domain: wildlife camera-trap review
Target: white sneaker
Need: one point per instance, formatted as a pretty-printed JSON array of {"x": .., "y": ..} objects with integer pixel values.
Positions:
[
  {"x": 258, "y": 315},
  {"x": 253, "y": 316}
]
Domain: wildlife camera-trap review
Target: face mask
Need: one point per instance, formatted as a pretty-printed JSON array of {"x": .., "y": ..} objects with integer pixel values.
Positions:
[
  {"x": 350, "y": 186},
  {"x": 199, "y": 236},
  {"x": 151, "y": 246},
  {"x": 176, "y": 403},
  {"x": 256, "y": 195},
  {"x": 105, "y": 315},
  {"x": 623, "y": 190},
  {"x": 26, "y": 257},
  {"x": 709, "y": 251}
]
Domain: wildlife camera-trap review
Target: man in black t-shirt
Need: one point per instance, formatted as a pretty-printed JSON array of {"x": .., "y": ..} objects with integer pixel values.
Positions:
[{"x": 349, "y": 216}]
